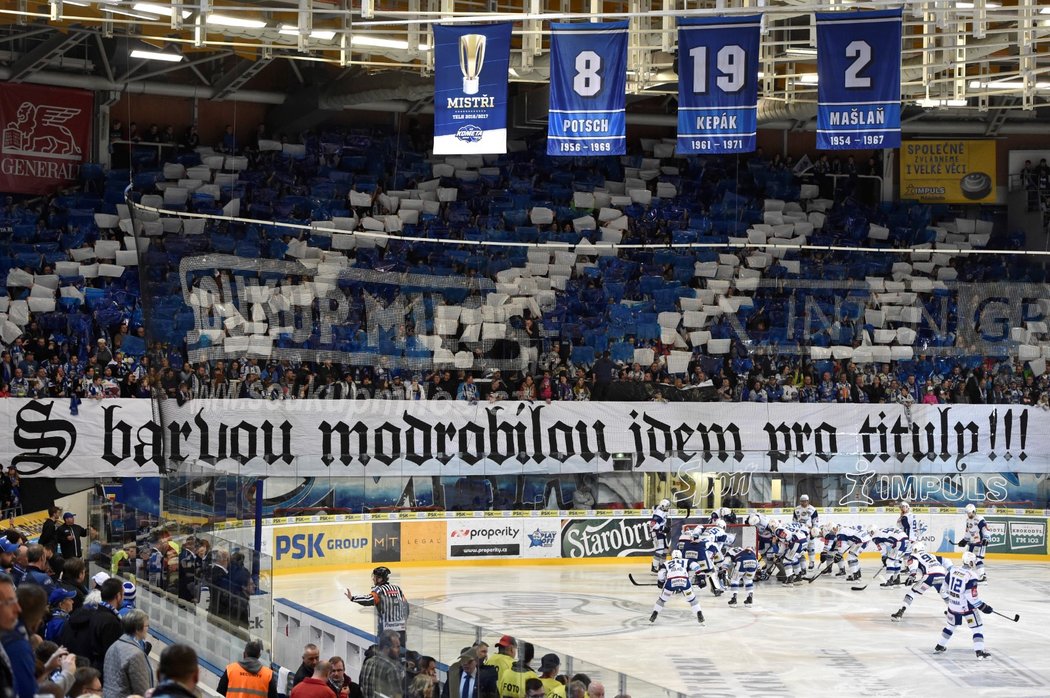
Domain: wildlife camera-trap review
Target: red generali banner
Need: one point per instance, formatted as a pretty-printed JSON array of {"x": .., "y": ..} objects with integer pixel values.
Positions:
[{"x": 46, "y": 136}]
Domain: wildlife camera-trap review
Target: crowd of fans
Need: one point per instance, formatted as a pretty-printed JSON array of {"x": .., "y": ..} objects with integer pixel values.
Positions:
[{"x": 507, "y": 671}]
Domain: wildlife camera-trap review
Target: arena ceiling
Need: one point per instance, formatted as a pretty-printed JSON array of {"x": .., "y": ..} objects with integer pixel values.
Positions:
[{"x": 970, "y": 68}]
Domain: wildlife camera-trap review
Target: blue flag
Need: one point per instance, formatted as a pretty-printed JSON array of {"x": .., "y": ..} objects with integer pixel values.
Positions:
[
  {"x": 717, "y": 84},
  {"x": 588, "y": 89},
  {"x": 859, "y": 80},
  {"x": 471, "y": 64}
]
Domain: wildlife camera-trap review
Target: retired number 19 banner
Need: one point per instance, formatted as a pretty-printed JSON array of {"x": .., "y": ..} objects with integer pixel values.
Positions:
[
  {"x": 588, "y": 89},
  {"x": 717, "y": 84},
  {"x": 859, "y": 80}
]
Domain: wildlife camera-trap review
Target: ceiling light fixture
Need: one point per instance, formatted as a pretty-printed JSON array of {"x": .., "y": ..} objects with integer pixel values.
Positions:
[
  {"x": 380, "y": 42},
  {"x": 157, "y": 9},
  {"x": 930, "y": 103},
  {"x": 156, "y": 56},
  {"x": 128, "y": 13},
  {"x": 321, "y": 34},
  {"x": 240, "y": 22},
  {"x": 1005, "y": 85},
  {"x": 803, "y": 51},
  {"x": 808, "y": 78}
]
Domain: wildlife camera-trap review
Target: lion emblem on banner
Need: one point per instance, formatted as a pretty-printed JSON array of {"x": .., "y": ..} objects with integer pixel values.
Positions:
[{"x": 38, "y": 129}]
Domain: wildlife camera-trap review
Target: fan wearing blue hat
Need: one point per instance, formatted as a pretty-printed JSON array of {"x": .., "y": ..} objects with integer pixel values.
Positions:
[
  {"x": 69, "y": 535},
  {"x": 128, "y": 604},
  {"x": 61, "y": 603}
]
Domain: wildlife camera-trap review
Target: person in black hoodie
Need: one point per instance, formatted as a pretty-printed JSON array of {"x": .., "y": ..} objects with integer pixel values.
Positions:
[
  {"x": 178, "y": 672},
  {"x": 48, "y": 539},
  {"x": 90, "y": 631}
]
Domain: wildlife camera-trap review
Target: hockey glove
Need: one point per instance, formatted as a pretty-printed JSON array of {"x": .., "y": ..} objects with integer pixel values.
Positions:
[
  {"x": 961, "y": 543},
  {"x": 985, "y": 608},
  {"x": 838, "y": 558}
]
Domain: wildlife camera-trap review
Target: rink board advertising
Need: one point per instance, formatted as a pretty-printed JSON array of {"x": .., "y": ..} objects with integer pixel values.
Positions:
[
  {"x": 588, "y": 96},
  {"x": 717, "y": 85},
  {"x": 949, "y": 172},
  {"x": 858, "y": 80}
]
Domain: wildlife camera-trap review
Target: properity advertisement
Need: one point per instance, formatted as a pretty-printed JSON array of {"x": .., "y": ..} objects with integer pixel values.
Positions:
[{"x": 949, "y": 172}]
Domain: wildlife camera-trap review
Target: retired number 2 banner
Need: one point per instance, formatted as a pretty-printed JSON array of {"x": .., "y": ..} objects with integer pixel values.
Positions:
[
  {"x": 47, "y": 135},
  {"x": 588, "y": 89},
  {"x": 859, "y": 80},
  {"x": 471, "y": 64},
  {"x": 717, "y": 84}
]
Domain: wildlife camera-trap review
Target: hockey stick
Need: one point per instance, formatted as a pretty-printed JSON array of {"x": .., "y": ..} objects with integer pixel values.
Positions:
[
  {"x": 1015, "y": 617},
  {"x": 640, "y": 584},
  {"x": 827, "y": 568},
  {"x": 873, "y": 578}
]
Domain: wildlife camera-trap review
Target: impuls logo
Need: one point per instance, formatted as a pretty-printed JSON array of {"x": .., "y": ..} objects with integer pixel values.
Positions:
[{"x": 45, "y": 441}]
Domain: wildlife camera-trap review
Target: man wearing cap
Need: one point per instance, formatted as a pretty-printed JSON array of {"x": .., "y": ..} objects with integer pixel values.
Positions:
[
  {"x": 61, "y": 603},
  {"x": 549, "y": 665},
  {"x": 463, "y": 676},
  {"x": 7, "y": 555},
  {"x": 69, "y": 535}
]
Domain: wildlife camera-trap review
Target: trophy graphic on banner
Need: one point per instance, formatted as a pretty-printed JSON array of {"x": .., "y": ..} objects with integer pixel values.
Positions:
[{"x": 471, "y": 59}]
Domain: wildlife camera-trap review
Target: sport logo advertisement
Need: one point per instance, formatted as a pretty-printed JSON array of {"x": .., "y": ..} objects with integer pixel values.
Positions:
[{"x": 46, "y": 136}]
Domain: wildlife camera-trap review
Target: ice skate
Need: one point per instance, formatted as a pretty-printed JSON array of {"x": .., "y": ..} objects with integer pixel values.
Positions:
[
  {"x": 899, "y": 614},
  {"x": 652, "y": 617}
]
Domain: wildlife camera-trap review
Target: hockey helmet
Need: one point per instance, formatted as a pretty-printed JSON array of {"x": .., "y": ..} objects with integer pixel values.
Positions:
[
  {"x": 814, "y": 532},
  {"x": 664, "y": 505},
  {"x": 918, "y": 547},
  {"x": 720, "y": 523},
  {"x": 724, "y": 512},
  {"x": 676, "y": 554},
  {"x": 905, "y": 507},
  {"x": 872, "y": 530},
  {"x": 383, "y": 573},
  {"x": 971, "y": 511},
  {"x": 804, "y": 498},
  {"x": 753, "y": 519},
  {"x": 969, "y": 559},
  {"x": 773, "y": 524}
]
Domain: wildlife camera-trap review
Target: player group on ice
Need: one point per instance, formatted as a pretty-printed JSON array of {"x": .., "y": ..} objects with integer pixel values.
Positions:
[{"x": 705, "y": 557}]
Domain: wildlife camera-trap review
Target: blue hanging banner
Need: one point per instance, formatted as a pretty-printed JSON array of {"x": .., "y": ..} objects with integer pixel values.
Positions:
[
  {"x": 471, "y": 64},
  {"x": 717, "y": 84},
  {"x": 858, "y": 80},
  {"x": 588, "y": 89}
]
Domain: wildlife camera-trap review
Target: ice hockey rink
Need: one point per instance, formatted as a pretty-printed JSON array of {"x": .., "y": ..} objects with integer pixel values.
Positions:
[{"x": 819, "y": 639}]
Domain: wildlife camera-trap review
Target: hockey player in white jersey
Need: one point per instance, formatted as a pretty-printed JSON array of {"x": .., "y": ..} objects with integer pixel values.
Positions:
[
  {"x": 792, "y": 540},
  {"x": 906, "y": 523},
  {"x": 765, "y": 542},
  {"x": 976, "y": 539},
  {"x": 964, "y": 605},
  {"x": 741, "y": 563},
  {"x": 660, "y": 525},
  {"x": 929, "y": 571},
  {"x": 892, "y": 542},
  {"x": 674, "y": 577},
  {"x": 850, "y": 541},
  {"x": 806, "y": 514}
]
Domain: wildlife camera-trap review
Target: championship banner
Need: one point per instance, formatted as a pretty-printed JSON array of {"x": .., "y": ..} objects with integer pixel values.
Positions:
[
  {"x": 948, "y": 172},
  {"x": 588, "y": 96},
  {"x": 471, "y": 64},
  {"x": 859, "y": 80},
  {"x": 47, "y": 135},
  {"x": 451, "y": 438},
  {"x": 717, "y": 84}
]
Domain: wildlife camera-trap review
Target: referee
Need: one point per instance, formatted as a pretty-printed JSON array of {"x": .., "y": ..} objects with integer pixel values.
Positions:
[{"x": 389, "y": 601}]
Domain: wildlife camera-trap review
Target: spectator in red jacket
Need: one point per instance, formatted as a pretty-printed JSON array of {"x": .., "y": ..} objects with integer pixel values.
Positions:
[{"x": 315, "y": 686}]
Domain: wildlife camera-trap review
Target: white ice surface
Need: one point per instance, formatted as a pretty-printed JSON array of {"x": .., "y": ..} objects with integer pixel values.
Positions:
[{"x": 810, "y": 641}]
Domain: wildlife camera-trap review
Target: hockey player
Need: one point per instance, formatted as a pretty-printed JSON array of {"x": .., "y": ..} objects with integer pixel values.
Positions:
[
  {"x": 724, "y": 514},
  {"x": 660, "y": 525},
  {"x": 742, "y": 563},
  {"x": 765, "y": 542},
  {"x": 892, "y": 541},
  {"x": 849, "y": 542},
  {"x": 674, "y": 579},
  {"x": 930, "y": 572},
  {"x": 806, "y": 514},
  {"x": 792, "y": 539},
  {"x": 964, "y": 605},
  {"x": 702, "y": 548},
  {"x": 976, "y": 539},
  {"x": 906, "y": 523}
]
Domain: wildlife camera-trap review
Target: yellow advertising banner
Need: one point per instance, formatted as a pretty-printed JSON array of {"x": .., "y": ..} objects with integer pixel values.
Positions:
[
  {"x": 948, "y": 172},
  {"x": 315, "y": 546}
]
